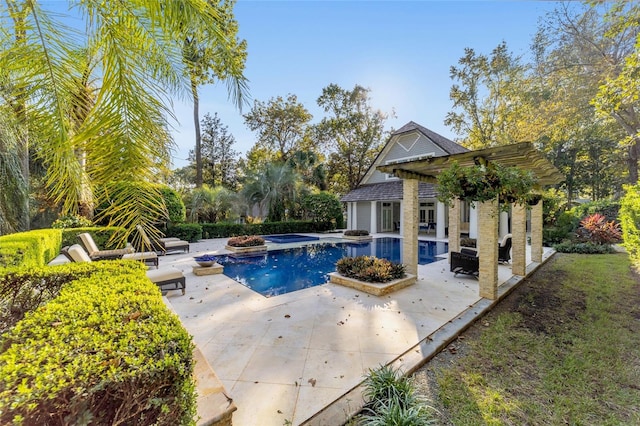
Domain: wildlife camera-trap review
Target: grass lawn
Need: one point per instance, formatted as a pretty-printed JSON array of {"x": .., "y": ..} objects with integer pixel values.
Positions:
[{"x": 562, "y": 349}]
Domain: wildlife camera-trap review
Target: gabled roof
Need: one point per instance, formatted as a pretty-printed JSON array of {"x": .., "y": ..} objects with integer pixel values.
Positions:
[
  {"x": 448, "y": 146},
  {"x": 386, "y": 191},
  {"x": 445, "y": 144}
]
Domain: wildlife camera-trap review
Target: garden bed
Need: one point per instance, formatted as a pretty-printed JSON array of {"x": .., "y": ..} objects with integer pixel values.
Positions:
[{"x": 375, "y": 289}]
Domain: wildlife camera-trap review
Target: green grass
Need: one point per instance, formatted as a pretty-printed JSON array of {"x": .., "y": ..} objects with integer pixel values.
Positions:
[{"x": 562, "y": 349}]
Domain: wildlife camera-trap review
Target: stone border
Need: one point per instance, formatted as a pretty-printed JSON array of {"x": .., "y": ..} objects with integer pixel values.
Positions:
[
  {"x": 244, "y": 250},
  {"x": 215, "y": 407},
  {"x": 359, "y": 238},
  {"x": 376, "y": 289}
]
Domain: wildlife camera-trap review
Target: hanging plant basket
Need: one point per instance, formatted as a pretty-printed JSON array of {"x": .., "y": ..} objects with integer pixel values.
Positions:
[{"x": 485, "y": 183}]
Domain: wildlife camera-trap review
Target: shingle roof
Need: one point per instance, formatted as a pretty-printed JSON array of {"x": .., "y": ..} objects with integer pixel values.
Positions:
[
  {"x": 386, "y": 191},
  {"x": 447, "y": 145}
]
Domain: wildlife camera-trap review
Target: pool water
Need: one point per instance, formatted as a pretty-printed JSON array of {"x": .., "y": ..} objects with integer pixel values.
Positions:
[
  {"x": 289, "y": 238},
  {"x": 283, "y": 271}
]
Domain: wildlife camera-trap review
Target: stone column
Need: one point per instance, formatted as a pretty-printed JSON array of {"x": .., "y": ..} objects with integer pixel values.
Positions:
[
  {"x": 374, "y": 217},
  {"x": 536, "y": 232},
  {"x": 440, "y": 220},
  {"x": 410, "y": 225},
  {"x": 488, "y": 249},
  {"x": 473, "y": 220},
  {"x": 519, "y": 239},
  {"x": 454, "y": 226},
  {"x": 504, "y": 223}
]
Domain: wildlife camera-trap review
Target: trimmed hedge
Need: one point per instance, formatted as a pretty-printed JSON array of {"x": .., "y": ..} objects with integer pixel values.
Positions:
[
  {"x": 630, "y": 222},
  {"x": 225, "y": 230},
  {"x": 23, "y": 290},
  {"x": 105, "y": 351},
  {"x": 30, "y": 249},
  {"x": 583, "y": 248},
  {"x": 191, "y": 232}
]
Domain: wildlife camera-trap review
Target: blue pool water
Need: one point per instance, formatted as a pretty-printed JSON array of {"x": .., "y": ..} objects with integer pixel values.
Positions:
[
  {"x": 284, "y": 271},
  {"x": 289, "y": 238}
]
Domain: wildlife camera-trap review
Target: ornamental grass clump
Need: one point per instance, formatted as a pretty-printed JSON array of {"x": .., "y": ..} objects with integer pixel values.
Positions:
[
  {"x": 392, "y": 400},
  {"x": 370, "y": 269},
  {"x": 246, "y": 241}
]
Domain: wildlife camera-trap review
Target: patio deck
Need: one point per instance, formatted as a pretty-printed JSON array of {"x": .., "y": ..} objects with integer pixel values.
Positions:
[{"x": 299, "y": 357}]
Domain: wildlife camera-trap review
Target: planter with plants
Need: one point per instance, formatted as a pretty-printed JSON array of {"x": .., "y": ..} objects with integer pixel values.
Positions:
[
  {"x": 246, "y": 244},
  {"x": 481, "y": 183},
  {"x": 357, "y": 235},
  {"x": 371, "y": 274}
]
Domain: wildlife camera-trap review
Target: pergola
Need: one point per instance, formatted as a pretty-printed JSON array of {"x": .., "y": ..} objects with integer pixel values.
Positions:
[{"x": 521, "y": 155}]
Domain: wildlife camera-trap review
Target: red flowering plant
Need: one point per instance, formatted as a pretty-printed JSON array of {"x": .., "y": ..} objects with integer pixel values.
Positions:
[{"x": 595, "y": 229}]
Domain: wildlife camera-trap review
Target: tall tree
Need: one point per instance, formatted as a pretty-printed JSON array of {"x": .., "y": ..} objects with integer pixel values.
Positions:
[
  {"x": 275, "y": 190},
  {"x": 590, "y": 43},
  {"x": 281, "y": 124},
  {"x": 354, "y": 132},
  {"x": 486, "y": 95},
  {"x": 219, "y": 158},
  {"x": 124, "y": 134},
  {"x": 208, "y": 60}
]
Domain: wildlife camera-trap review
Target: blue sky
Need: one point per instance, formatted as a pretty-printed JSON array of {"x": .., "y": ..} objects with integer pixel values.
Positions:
[{"x": 401, "y": 50}]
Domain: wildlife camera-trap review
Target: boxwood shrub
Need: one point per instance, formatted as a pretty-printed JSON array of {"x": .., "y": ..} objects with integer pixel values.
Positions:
[
  {"x": 191, "y": 232},
  {"x": 29, "y": 249},
  {"x": 23, "y": 290},
  {"x": 105, "y": 351}
]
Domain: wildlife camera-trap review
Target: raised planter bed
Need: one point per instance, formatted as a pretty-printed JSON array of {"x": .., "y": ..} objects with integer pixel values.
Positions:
[
  {"x": 358, "y": 238},
  {"x": 376, "y": 289},
  {"x": 245, "y": 250}
]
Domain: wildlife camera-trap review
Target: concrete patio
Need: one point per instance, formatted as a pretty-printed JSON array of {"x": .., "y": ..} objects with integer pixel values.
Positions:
[{"x": 300, "y": 357}]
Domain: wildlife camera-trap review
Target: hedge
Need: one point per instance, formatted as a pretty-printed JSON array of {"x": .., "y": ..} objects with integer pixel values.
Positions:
[
  {"x": 630, "y": 222},
  {"x": 224, "y": 230},
  {"x": 29, "y": 249},
  {"x": 105, "y": 351},
  {"x": 191, "y": 232}
]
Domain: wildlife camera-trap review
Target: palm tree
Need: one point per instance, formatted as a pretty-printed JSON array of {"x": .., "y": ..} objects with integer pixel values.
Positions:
[
  {"x": 124, "y": 135},
  {"x": 211, "y": 204},
  {"x": 14, "y": 188},
  {"x": 274, "y": 189}
]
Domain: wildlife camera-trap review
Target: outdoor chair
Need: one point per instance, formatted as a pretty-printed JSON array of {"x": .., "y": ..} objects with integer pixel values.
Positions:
[
  {"x": 163, "y": 245},
  {"x": 504, "y": 249},
  {"x": 168, "y": 276},
  {"x": 465, "y": 262},
  {"x": 96, "y": 254}
]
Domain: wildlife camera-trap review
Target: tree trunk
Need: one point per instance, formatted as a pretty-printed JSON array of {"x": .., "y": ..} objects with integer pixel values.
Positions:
[
  {"x": 632, "y": 160},
  {"x": 196, "y": 122}
]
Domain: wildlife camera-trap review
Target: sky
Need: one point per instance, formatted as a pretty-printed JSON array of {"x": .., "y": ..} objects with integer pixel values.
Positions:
[{"x": 401, "y": 50}]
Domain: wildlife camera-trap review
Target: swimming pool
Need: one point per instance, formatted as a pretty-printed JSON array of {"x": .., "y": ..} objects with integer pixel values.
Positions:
[
  {"x": 289, "y": 238},
  {"x": 283, "y": 271}
]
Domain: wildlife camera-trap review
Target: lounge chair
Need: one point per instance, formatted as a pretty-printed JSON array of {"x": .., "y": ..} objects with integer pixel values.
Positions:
[
  {"x": 504, "y": 249},
  {"x": 96, "y": 254},
  {"x": 161, "y": 277},
  {"x": 163, "y": 245},
  {"x": 465, "y": 262}
]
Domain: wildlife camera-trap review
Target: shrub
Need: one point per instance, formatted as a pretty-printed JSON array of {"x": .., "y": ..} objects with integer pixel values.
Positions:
[
  {"x": 370, "y": 269},
  {"x": 71, "y": 221},
  {"x": 595, "y": 229},
  {"x": 630, "y": 221},
  {"x": 105, "y": 351},
  {"x": 191, "y": 232},
  {"x": 176, "y": 210},
  {"x": 22, "y": 290},
  {"x": 30, "y": 249},
  {"x": 324, "y": 207},
  {"x": 582, "y": 248},
  {"x": 223, "y": 230},
  {"x": 468, "y": 242},
  {"x": 246, "y": 241},
  {"x": 391, "y": 400},
  {"x": 356, "y": 232}
]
